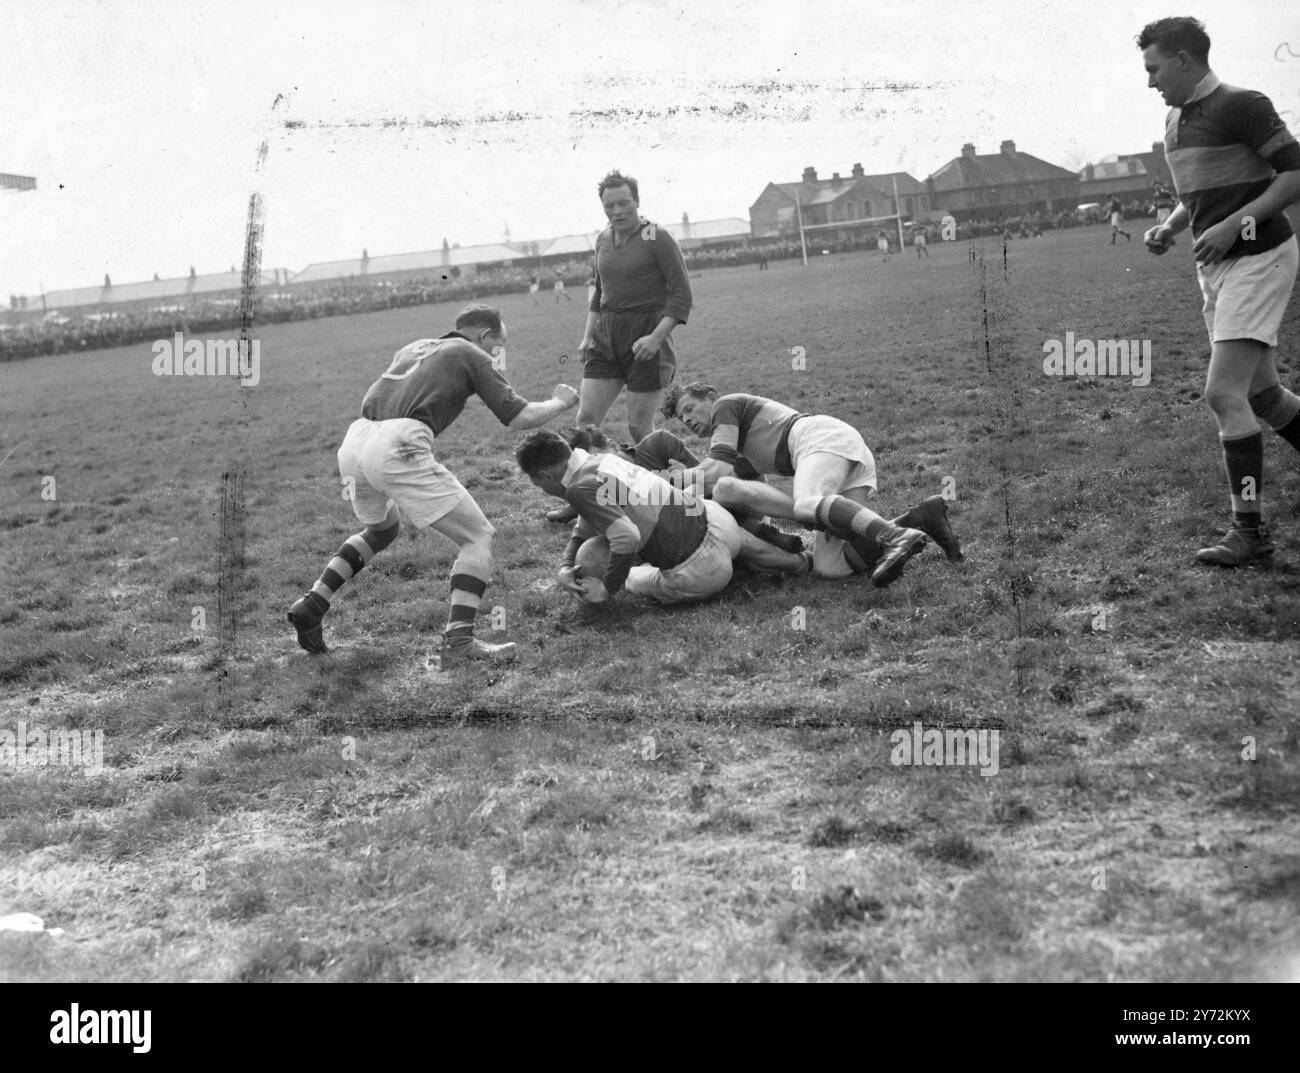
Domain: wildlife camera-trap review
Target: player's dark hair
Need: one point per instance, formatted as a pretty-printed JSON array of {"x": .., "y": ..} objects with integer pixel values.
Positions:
[
  {"x": 589, "y": 439},
  {"x": 1177, "y": 35},
  {"x": 541, "y": 449},
  {"x": 479, "y": 316},
  {"x": 617, "y": 178},
  {"x": 697, "y": 390}
]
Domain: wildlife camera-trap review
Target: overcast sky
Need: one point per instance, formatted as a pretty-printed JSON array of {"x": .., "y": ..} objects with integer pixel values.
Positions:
[{"x": 392, "y": 125}]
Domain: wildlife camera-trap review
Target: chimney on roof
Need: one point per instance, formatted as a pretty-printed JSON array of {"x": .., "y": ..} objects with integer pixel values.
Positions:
[
  {"x": 968, "y": 150},
  {"x": 1158, "y": 147},
  {"x": 686, "y": 226},
  {"x": 810, "y": 175},
  {"x": 858, "y": 173},
  {"x": 1090, "y": 173},
  {"x": 1009, "y": 147},
  {"x": 836, "y": 181}
]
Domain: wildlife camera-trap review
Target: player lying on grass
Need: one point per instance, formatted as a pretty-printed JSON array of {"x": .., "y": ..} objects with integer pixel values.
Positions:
[
  {"x": 834, "y": 475},
  {"x": 664, "y": 542},
  {"x": 664, "y": 452},
  {"x": 387, "y": 462}
]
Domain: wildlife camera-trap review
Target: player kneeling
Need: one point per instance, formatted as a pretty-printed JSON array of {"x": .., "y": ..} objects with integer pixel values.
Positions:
[{"x": 664, "y": 542}]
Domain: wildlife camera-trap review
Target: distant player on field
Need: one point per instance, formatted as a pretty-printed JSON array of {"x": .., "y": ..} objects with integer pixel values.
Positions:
[
  {"x": 882, "y": 243},
  {"x": 387, "y": 463},
  {"x": 664, "y": 543},
  {"x": 921, "y": 240},
  {"x": 560, "y": 292},
  {"x": 1116, "y": 212},
  {"x": 643, "y": 291},
  {"x": 1236, "y": 168},
  {"x": 834, "y": 475}
]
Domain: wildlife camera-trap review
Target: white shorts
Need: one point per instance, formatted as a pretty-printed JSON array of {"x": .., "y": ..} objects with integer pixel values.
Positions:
[
  {"x": 882, "y": 245},
  {"x": 1246, "y": 297},
  {"x": 1116, "y": 219},
  {"x": 704, "y": 574},
  {"x": 822, "y": 433},
  {"x": 1162, "y": 215},
  {"x": 387, "y": 462}
]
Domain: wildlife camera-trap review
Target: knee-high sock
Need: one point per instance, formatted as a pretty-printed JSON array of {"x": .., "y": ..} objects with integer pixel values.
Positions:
[
  {"x": 1243, "y": 456},
  {"x": 843, "y": 518},
  {"x": 347, "y": 562},
  {"x": 469, "y": 581},
  {"x": 1279, "y": 409}
]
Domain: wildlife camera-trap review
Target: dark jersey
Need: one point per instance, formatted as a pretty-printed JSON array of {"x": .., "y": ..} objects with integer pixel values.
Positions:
[
  {"x": 430, "y": 380},
  {"x": 645, "y": 274},
  {"x": 757, "y": 429},
  {"x": 1224, "y": 148}
]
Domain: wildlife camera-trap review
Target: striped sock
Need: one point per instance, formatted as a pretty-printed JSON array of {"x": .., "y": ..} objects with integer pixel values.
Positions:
[
  {"x": 848, "y": 520},
  {"x": 348, "y": 561},
  {"x": 466, "y": 593}
]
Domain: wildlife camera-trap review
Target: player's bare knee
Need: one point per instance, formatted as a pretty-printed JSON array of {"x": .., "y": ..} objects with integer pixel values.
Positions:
[{"x": 1223, "y": 401}]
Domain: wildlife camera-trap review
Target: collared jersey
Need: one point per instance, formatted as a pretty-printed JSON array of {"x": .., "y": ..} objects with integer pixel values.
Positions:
[
  {"x": 1224, "y": 147},
  {"x": 430, "y": 380},
  {"x": 755, "y": 427},
  {"x": 645, "y": 274},
  {"x": 608, "y": 492}
]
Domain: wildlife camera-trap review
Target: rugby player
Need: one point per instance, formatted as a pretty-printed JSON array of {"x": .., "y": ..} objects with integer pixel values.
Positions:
[
  {"x": 663, "y": 452},
  {"x": 833, "y": 470},
  {"x": 642, "y": 292},
  {"x": 664, "y": 542},
  {"x": 1235, "y": 167},
  {"x": 1116, "y": 211},
  {"x": 387, "y": 462}
]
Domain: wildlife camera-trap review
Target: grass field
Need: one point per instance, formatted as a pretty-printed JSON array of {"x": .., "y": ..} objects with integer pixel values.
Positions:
[{"x": 697, "y": 793}]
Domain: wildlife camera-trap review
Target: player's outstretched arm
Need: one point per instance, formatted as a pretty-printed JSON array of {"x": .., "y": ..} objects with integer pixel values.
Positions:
[
  {"x": 704, "y": 476},
  {"x": 538, "y": 413}
]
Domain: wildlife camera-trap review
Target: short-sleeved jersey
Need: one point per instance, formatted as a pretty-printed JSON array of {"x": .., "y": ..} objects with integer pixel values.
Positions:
[
  {"x": 608, "y": 491},
  {"x": 1164, "y": 199},
  {"x": 430, "y": 380},
  {"x": 645, "y": 274},
  {"x": 1113, "y": 206},
  {"x": 756, "y": 428},
  {"x": 1224, "y": 148}
]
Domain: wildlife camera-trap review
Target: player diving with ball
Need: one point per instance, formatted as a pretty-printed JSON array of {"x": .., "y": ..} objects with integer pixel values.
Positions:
[{"x": 663, "y": 541}]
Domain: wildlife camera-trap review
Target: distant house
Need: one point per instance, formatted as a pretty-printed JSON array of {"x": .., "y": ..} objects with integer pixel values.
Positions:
[
  {"x": 1006, "y": 183},
  {"x": 1129, "y": 176},
  {"x": 839, "y": 199}
]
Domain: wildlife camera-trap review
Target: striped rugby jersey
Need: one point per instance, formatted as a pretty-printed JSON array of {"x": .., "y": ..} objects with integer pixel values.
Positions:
[
  {"x": 430, "y": 380},
  {"x": 641, "y": 514},
  {"x": 1224, "y": 147},
  {"x": 757, "y": 429}
]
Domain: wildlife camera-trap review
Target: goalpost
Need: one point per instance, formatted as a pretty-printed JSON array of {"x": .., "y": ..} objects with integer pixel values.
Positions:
[{"x": 848, "y": 225}]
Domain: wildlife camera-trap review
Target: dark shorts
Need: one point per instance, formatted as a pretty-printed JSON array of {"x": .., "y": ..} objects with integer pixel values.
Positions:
[{"x": 610, "y": 356}]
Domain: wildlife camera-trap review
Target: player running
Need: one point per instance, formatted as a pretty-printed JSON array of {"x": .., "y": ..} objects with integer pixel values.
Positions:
[
  {"x": 664, "y": 542},
  {"x": 387, "y": 462},
  {"x": 834, "y": 475},
  {"x": 1116, "y": 212},
  {"x": 1236, "y": 168}
]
